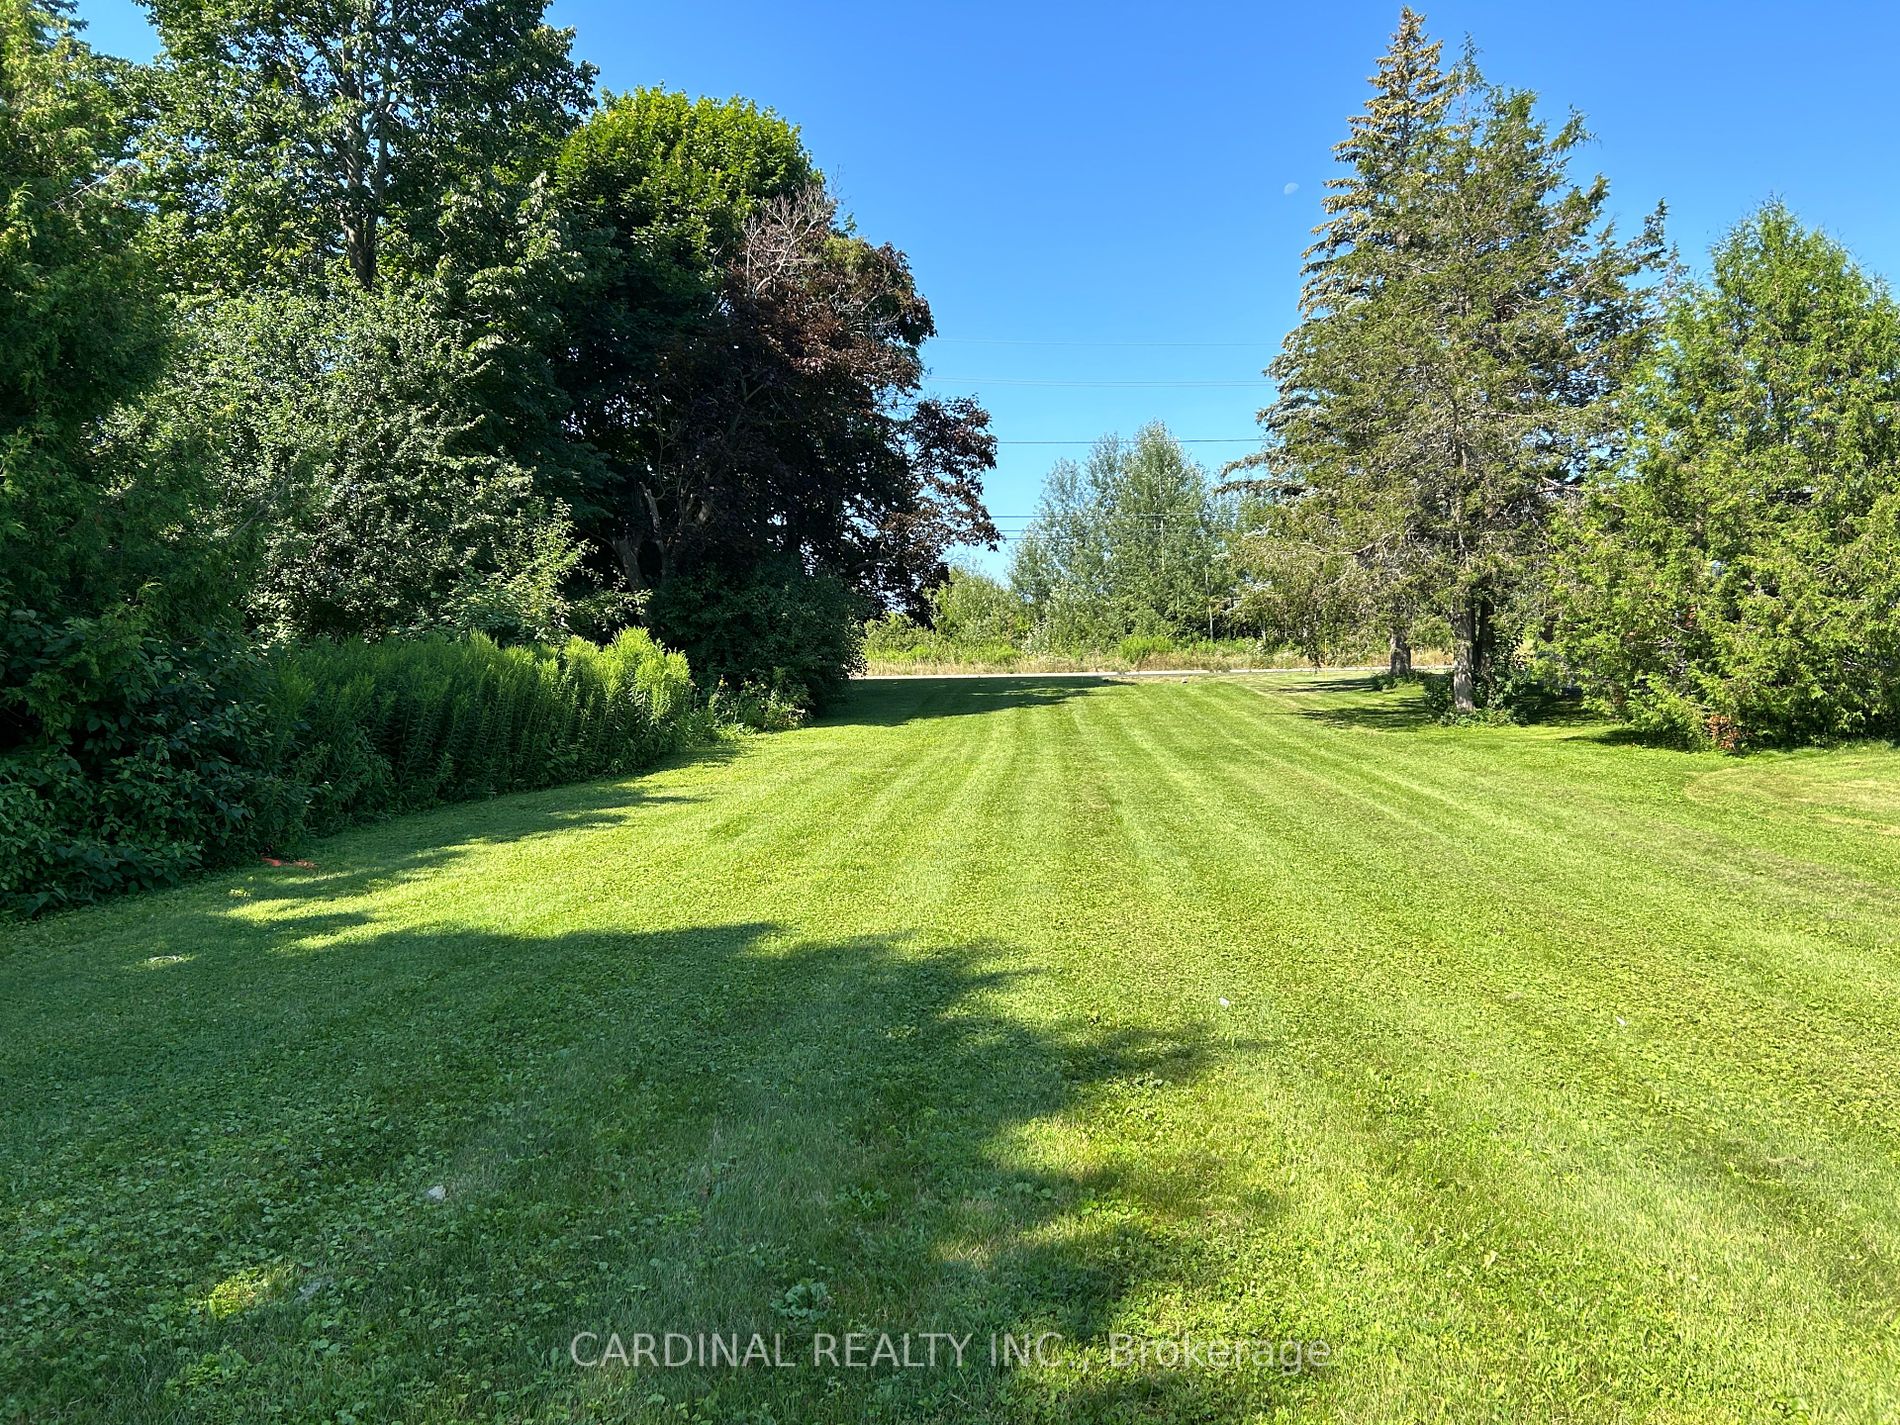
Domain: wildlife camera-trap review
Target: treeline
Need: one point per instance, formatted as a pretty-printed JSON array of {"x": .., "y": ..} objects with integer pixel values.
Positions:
[
  {"x": 1505, "y": 429},
  {"x": 374, "y": 324}
]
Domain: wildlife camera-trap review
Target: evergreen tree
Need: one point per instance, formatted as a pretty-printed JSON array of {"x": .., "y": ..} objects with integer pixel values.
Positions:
[
  {"x": 1410, "y": 94},
  {"x": 1321, "y": 496},
  {"x": 1737, "y": 583},
  {"x": 1455, "y": 376}
]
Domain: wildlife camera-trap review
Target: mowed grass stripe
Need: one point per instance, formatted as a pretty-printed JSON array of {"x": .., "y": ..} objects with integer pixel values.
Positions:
[
  {"x": 913, "y": 1016},
  {"x": 1722, "y": 953},
  {"x": 1412, "y": 1011},
  {"x": 1717, "y": 1063}
]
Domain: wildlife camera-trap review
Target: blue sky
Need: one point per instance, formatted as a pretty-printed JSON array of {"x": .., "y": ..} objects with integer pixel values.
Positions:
[{"x": 1097, "y": 193}]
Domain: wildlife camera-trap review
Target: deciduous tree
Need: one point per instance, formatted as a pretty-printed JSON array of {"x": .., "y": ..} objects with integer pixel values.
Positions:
[
  {"x": 1133, "y": 541},
  {"x": 745, "y": 370},
  {"x": 286, "y": 134}
]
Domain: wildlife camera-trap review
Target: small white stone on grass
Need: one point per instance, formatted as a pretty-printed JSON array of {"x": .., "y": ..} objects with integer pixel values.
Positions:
[
  {"x": 1224, "y": 1003},
  {"x": 436, "y": 1193}
]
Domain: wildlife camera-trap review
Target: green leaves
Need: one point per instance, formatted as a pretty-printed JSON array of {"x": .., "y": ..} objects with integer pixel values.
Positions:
[
  {"x": 1734, "y": 584},
  {"x": 293, "y": 134},
  {"x": 1129, "y": 543}
]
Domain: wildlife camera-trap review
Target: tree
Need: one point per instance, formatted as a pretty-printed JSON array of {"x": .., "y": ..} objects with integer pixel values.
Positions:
[
  {"x": 971, "y": 608},
  {"x": 1382, "y": 150},
  {"x": 82, "y": 324},
  {"x": 1471, "y": 317},
  {"x": 1300, "y": 583},
  {"x": 363, "y": 489},
  {"x": 1132, "y": 542},
  {"x": 130, "y": 743},
  {"x": 1735, "y": 582},
  {"x": 92, "y": 523},
  {"x": 289, "y": 133},
  {"x": 1322, "y": 488},
  {"x": 743, "y": 369}
]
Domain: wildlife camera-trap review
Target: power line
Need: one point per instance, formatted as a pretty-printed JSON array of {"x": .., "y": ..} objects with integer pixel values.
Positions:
[
  {"x": 1032, "y": 341},
  {"x": 1177, "y": 439},
  {"x": 1118, "y": 385}
]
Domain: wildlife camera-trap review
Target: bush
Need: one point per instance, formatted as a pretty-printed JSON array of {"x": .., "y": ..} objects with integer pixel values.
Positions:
[
  {"x": 1515, "y": 695},
  {"x": 771, "y": 626},
  {"x": 756, "y": 707},
  {"x": 408, "y": 723},
  {"x": 183, "y": 760},
  {"x": 147, "y": 762},
  {"x": 1138, "y": 648}
]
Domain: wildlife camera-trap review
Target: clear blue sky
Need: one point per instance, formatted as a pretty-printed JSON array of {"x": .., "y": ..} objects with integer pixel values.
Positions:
[{"x": 1120, "y": 193}]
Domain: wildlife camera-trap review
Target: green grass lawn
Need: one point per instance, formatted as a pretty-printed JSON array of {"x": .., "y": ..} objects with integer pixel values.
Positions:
[{"x": 1541, "y": 1077}]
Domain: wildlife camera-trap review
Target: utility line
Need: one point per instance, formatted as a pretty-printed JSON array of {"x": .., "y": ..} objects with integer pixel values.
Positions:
[
  {"x": 1117, "y": 385},
  {"x": 1177, "y": 439},
  {"x": 1031, "y": 341}
]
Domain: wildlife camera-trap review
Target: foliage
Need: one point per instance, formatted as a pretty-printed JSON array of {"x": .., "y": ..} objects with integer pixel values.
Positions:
[
  {"x": 1467, "y": 323},
  {"x": 1737, "y": 583},
  {"x": 151, "y": 761},
  {"x": 1137, "y": 648},
  {"x": 408, "y": 723},
  {"x": 745, "y": 368},
  {"x": 130, "y": 748},
  {"x": 1299, "y": 586},
  {"x": 287, "y": 135},
  {"x": 970, "y": 606},
  {"x": 1132, "y": 542},
  {"x": 363, "y": 478},
  {"x": 183, "y": 760},
  {"x": 759, "y": 707},
  {"x": 90, "y": 522},
  {"x": 797, "y": 635}
]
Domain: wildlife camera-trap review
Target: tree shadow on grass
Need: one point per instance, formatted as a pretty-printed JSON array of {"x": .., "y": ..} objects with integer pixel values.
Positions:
[
  {"x": 393, "y": 1174},
  {"x": 892, "y": 702},
  {"x": 1400, "y": 709},
  {"x": 407, "y": 846},
  {"x": 1403, "y": 709}
]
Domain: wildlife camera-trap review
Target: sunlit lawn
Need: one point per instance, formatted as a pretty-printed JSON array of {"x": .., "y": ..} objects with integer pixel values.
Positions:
[{"x": 1539, "y": 1076}]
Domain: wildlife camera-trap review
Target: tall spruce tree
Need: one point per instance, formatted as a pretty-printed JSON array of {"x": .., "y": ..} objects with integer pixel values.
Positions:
[
  {"x": 1470, "y": 317},
  {"x": 1317, "y": 499},
  {"x": 1410, "y": 94}
]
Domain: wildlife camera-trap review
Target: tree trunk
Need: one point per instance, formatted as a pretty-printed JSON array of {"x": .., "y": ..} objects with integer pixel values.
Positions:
[
  {"x": 1401, "y": 652},
  {"x": 626, "y": 549},
  {"x": 359, "y": 245},
  {"x": 1464, "y": 656}
]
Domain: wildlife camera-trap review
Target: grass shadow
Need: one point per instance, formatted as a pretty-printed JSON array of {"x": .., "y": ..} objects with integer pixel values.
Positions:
[
  {"x": 394, "y": 1173},
  {"x": 1373, "y": 709},
  {"x": 894, "y": 701},
  {"x": 406, "y": 846}
]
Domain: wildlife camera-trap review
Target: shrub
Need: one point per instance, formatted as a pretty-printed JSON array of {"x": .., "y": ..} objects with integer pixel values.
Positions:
[
  {"x": 148, "y": 762},
  {"x": 755, "y": 706},
  {"x": 1138, "y": 648},
  {"x": 180, "y": 760},
  {"x": 408, "y": 723},
  {"x": 772, "y": 625}
]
